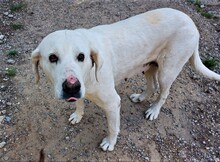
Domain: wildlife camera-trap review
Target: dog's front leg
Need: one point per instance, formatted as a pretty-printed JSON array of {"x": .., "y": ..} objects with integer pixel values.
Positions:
[
  {"x": 78, "y": 114},
  {"x": 112, "y": 110}
]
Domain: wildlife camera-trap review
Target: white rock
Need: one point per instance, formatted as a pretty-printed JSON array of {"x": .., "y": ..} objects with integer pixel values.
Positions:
[
  {"x": 2, "y": 144},
  {"x": 6, "y": 158},
  {"x": 1, "y": 119},
  {"x": 6, "y": 13},
  {"x": 3, "y": 111},
  {"x": 10, "y": 61},
  {"x": 10, "y": 16},
  {"x": 2, "y": 37}
]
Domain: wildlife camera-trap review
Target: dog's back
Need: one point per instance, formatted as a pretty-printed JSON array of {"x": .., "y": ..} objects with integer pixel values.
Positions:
[{"x": 141, "y": 39}]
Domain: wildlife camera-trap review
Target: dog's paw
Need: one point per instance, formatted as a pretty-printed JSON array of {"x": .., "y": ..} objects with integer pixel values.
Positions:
[
  {"x": 136, "y": 98},
  {"x": 106, "y": 145},
  {"x": 152, "y": 113},
  {"x": 75, "y": 118}
]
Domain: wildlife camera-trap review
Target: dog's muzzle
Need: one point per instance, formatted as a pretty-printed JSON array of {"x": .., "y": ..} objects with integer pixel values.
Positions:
[{"x": 71, "y": 89}]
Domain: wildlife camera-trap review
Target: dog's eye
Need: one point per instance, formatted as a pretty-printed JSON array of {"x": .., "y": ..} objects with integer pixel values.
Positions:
[
  {"x": 53, "y": 58},
  {"x": 81, "y": 57}
]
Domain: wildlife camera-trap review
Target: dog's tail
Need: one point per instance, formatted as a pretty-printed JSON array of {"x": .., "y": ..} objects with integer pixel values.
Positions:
[{"x": 201, "y": 68}]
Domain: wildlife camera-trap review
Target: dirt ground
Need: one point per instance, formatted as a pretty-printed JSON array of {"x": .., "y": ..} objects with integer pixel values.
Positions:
[{"x": 188, "y": 127}]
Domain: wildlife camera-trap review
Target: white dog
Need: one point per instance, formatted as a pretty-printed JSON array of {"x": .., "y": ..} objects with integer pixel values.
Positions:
[{"x": 88, "y": 63}]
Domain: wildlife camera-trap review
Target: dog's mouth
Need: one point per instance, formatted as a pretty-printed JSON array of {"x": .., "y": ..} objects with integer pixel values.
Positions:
[{"x": 71, "y": 99}]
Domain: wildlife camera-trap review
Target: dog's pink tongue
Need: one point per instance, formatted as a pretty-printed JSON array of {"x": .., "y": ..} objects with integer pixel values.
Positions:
[{"x": 71, "y": 99}]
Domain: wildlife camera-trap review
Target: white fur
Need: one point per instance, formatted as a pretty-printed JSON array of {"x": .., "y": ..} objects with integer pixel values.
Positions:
[{"x": 165, "y": 36}]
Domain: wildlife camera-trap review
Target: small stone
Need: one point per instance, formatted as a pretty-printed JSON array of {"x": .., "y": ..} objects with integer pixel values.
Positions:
[
  {"x": 91, "y": 120},
  {"x": 7, "y": 119},
  {"x": 67, "y": 138},
  {"x": 6, "y": 13},
  {"x": 10, "y": 61},
  {"x": 195, "y": 77},
  {"x": 3, "y": 88},
  {"x": 2, "y": 144},
  {"x": 3, "y": 111},
  {"x": 5, "y": 79},
  {"x": 202, "y": 6},
  {"x": 6, "y": 158},
  {"x": 10, "y": 16},
  {"x": 146, "y": 158},
  {"x": 9, "y": 103},
  {"x": 1, "y": 119},
  {"x": 2, "y": 37}
]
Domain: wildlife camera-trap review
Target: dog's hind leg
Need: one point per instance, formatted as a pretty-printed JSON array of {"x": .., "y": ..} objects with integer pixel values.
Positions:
[
  {"x": 151, "y": 77},
  {"x": 171, "y": 61},
  {"x": 168, "y": 71},
  {"x": 78, "y": 114},
  {"x": 166, "y": 76}
]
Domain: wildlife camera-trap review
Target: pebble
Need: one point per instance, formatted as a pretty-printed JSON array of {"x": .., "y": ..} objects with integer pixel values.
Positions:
[
  {"x": 3, "y": 88},
  {"x": 7, "y": 119},
  {"x": 2, "y": 144},
  {"x": 1, "y": 119},
  {"x": 8, "y": 103},
  {"x": 3, "y": 111},
  {"x": 146, "y": 158},
  {"x": 2, "y": 37},
  {"x": 5, "y": 79},
  {"x": 91, "y": 120},
  {"x": 6, "y": 158},
  {"x": 10, "y": 61},
  {"x": 6, "y": 13},
  {"x": 195, "y": 77},
  {"x": 10, "y": 16}
]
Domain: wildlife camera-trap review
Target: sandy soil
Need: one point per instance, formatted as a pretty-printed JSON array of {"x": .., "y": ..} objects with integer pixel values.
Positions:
[{"x": 187, "y": 128}]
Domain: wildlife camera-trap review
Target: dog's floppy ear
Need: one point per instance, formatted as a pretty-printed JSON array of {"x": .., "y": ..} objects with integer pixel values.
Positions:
[
  {"x": 35, "y": 58},
  {"x": 97, "y": 60}
]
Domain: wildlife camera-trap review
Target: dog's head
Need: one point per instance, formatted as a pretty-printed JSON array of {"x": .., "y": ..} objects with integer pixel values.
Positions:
[{"x": 68, "y": 60}]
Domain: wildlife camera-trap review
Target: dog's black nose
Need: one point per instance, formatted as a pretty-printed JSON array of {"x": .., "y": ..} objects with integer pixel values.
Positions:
[{"x": 71, "y": 89}]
